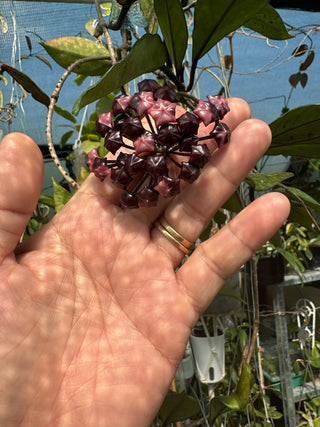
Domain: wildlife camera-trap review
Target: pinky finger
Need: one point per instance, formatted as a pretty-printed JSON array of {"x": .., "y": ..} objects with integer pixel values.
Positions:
[{"x": 223, "y": 254}]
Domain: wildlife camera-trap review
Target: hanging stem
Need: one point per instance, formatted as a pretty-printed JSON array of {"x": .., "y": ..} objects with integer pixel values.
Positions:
[
  {"x": 103, "y": 26},
  {"x": 256, "y": 321},
  {"x": 53, "y": 101},
  {"x": 300, "y": 200}
]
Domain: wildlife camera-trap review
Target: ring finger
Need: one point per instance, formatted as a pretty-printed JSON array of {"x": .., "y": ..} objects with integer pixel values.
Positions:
[{"x": 190, "y": 212}]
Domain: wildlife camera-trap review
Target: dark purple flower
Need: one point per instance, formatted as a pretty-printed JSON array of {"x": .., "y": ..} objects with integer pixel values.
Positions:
[
  {"x": 129, "y": 201},
  {"x": 189, "y": 172},
  {"x": 148, "y": 85},
  {"x": 91, "y": 157},
  {"x": 156, "y": 165},
  {"x": 163, "y": 112},
  {"x": 145, "y": 143},
  {"x": 205, "y": 112},
  {"x": 119, "y": 120},
  {"x": 152, "y": 150},
  {"x": 169, "y": 135},
  {"x": 141, "y": 102},
  {"x": 104, "y": 123},
  {"x": 187, "y": 143},
  {"x": 113, "y": 141},
  {"x": 221, "y": 133},
  {"x": 120, "y": 177},
  {"x": 134, "y": 164},
  {"x": 220, "y": 103},
  {"x": 165, "y": 92},
  {"x": 98, "y": 165},
  {"x": 188, "y": 123},
  {"x": 200, "y": 155},
  {"x": 121, "y": 104},
  {"x": 132, "y": 127},
  {"x": 168, "y": 187},
  {"x": 147, "y": 197}
]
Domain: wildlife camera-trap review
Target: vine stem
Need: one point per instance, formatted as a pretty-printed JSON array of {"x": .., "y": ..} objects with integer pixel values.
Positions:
[
  {"x": 53, "y": 101},
  {"x": 105, "y": 32},
  {"x": 255, "y": 297},
  {"x": 300, "y": 200}
]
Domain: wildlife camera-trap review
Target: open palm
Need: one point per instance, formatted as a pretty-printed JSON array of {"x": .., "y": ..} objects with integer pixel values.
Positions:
[{"x": 94, "y": 318}]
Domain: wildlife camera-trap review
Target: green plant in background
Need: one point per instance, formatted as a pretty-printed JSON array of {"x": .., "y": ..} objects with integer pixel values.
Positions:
[
  {"x": 177, "y": 36},
  {"x": 294, "y": 242},
  {"x": 311, "y": 412}
]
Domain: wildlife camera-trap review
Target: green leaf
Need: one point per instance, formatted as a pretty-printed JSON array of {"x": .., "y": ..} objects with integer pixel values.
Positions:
[
  {"x": 236, "y": 401},
  {"x": 104, "y": 104},
  {"x": 268, "y": 23},
  {"x": 89, "y": 26},
  {"x": 265, "y": 181},
  {"x": 274, "y": 414},
  {"x": 294, "y": 262},
  {"x": 92, "y": 137},
  {"x": 4, "y": 24},
  {"x": 47, "y": 200},
  {"x": 60, "y": 195},
  {"x": 147, "y": 9},
  {"x": 213, "y": 22},
  {"x": 220, "y": 217},
  {"x": 233, "y": 204},
  {"x": 28, "y": 84},
  {"x": 178, "y": 407},
  {"x": 229, "y": 292},
  {"x": 297, "y": 133},
  {"x": 65, "y": 114},
  {"x": 65, "y": 138},
  {"x": 276, "y": 239},
  {"x": 87, "y": 145},
  {"x": 174, "y": 29},
  {"x": 314, "y": 359},
  {"x": 66, "y": 50},
  {"x": 206, "y": 232},
  {"x": 296, "y": 194},
  {"x": 28, "y": 40},
  {"x": 299, "y": 215},
  {"x": 4, "y": 79},
  {"x": 147, "y": 54},
  {"x": 79, "y": 79},
  {"x": 106, "y": 7},
  {"x": 84, "y": 173},
  {"x": 44, "y": 60},
  {"x": 90, "y": 127}
]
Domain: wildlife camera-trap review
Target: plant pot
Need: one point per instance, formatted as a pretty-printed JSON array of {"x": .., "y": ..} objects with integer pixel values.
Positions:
[
  {"x": 209, "y": 355},
  {"x": 185, "y": 370}
]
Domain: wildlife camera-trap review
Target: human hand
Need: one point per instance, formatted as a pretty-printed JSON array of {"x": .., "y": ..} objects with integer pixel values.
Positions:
[{"x": 94, "y": 320}]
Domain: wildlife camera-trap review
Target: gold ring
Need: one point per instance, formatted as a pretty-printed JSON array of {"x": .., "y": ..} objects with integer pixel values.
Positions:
[{"x": 171, "y": 234}]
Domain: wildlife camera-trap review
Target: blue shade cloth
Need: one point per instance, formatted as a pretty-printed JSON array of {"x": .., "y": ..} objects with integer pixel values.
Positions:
[
  {"x": 40, "y": 22},
  {"x": 265, "y": 90}
]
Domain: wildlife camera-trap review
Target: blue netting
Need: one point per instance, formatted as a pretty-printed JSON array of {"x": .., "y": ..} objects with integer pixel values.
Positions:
[
  {"x": 43, "y": 21},
  {"x": 39, "y": 21}
]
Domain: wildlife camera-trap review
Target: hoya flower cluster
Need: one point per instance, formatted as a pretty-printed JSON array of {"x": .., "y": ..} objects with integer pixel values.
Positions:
[{"x": 152, "y": 156}]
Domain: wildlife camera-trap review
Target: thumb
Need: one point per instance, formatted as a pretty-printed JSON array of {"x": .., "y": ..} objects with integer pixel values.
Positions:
[{"x": 21, "y": 177}]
